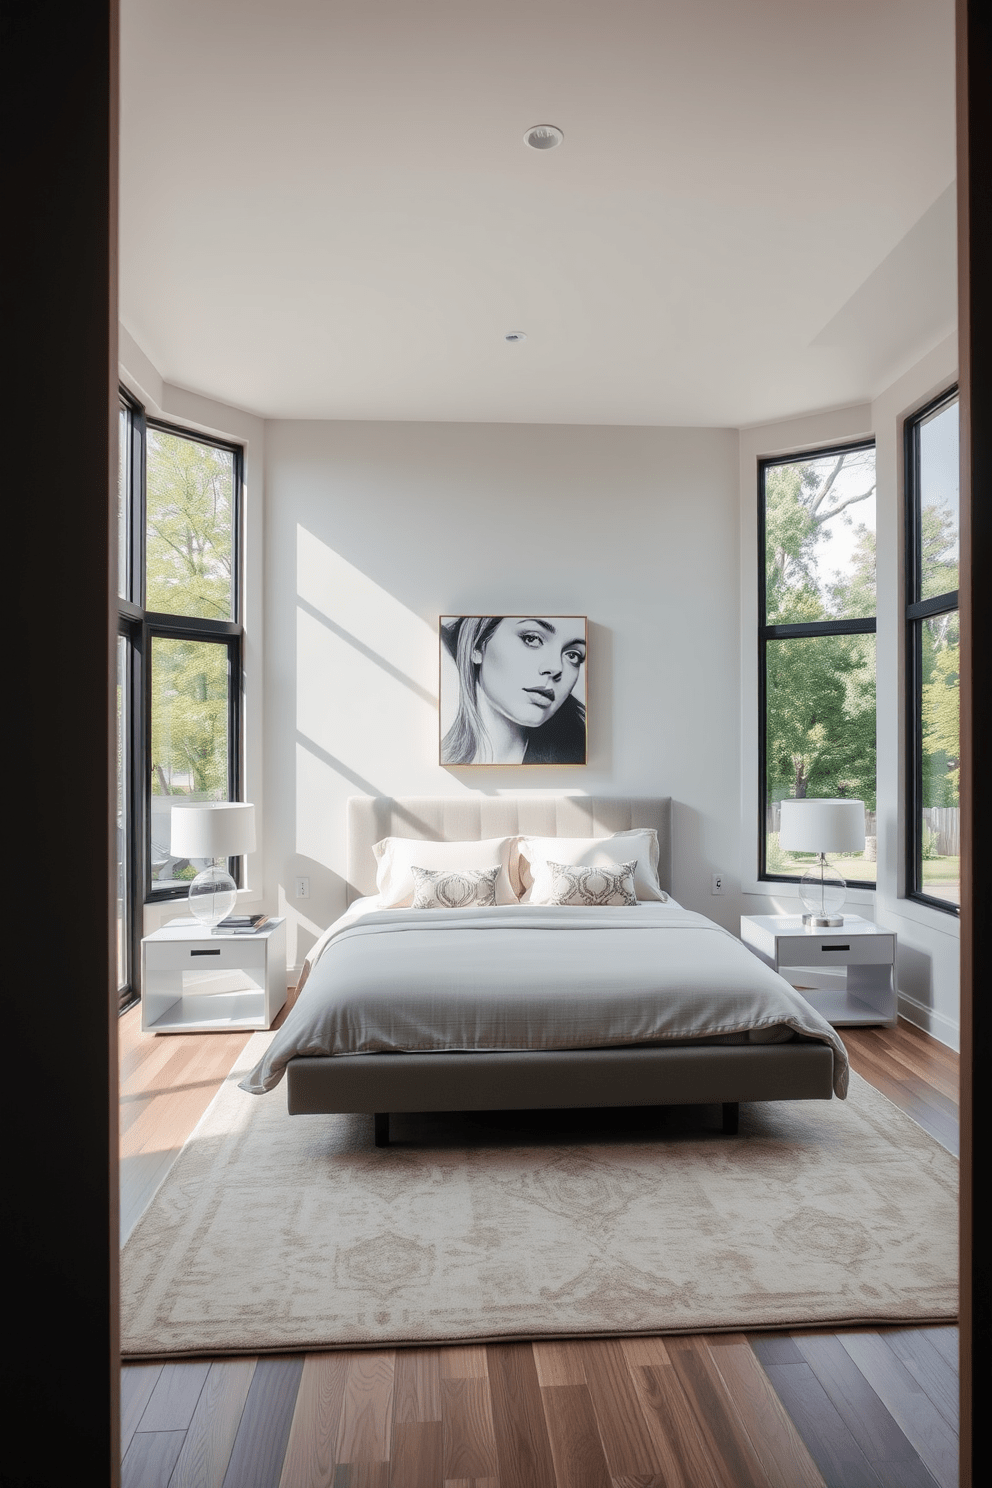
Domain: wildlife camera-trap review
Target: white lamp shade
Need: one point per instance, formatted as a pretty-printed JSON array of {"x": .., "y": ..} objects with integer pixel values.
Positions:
[
  {"x": 822, "y": 826},
  {"x": 213, "y": 829}
]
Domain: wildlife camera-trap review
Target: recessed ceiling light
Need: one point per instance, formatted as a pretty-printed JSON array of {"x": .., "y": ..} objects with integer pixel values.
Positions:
[
  {"x": 543, "y": 136},
  {"x": 515, "y": 336}
]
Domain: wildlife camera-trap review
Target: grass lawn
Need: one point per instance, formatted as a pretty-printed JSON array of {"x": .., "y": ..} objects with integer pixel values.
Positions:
[
  {"x": 941, "y": 871},
  {"x": 848, "y": 865},
  {"x": 941, "y": 876}
]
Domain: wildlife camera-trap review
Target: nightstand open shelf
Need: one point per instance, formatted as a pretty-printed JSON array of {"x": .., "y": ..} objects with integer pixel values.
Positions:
[
  {"x": 842, "y": 1009},
  {"x": 867, "y": 994}
]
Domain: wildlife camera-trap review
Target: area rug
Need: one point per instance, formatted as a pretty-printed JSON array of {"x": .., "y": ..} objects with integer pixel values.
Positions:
[{"x": 275, "y": 1233}]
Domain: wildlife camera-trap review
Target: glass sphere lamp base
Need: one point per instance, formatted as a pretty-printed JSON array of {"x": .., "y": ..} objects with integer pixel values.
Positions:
[
  {"x": 212, "y": 896},
  {"x": 823, "y": 892}
]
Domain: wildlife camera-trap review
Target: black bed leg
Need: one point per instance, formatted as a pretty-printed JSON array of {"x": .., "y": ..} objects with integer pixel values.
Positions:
[
  {"x": 382, "y": 1128},
  {"x": 731, "y": 1117}
]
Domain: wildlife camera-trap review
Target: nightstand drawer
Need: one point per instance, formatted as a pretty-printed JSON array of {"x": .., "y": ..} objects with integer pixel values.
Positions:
[
  {"x": 202, "y": 956},
  {"x": 835, "y": 950}
]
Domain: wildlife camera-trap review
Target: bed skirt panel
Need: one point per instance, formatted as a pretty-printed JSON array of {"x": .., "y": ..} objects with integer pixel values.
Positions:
[{"x": 559, "y": 1078}]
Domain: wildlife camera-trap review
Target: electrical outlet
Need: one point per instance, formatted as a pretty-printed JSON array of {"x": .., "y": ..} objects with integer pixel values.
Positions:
[
  {"x": 303, "y": 888},
  {"x": 717, "y": 884}
]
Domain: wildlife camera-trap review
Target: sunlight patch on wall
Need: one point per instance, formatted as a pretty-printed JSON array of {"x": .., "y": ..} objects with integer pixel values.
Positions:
[
  {"x": 354, "y": 603},
  {"x": 359, "y": 713},
  {"x": 366, "y": 677}
]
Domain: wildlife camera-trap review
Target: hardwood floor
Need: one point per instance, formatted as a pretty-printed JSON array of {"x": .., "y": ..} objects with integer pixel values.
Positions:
[{"x": 854, "y": 1409}]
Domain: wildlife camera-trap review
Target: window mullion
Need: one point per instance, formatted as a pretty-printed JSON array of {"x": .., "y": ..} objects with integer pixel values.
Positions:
[
  {"x": 820, "y": 628},
  {"x": 940, "y": 604},
  {"x": 191, "y": 625}
]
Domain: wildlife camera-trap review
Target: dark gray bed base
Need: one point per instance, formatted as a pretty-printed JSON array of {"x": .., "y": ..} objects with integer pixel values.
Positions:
[{"x": 721, "y": 1075}]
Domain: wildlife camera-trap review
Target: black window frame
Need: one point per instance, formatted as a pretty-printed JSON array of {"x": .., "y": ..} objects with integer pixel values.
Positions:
[
  {"x": 141, "y": 626},
  {"x": 864, "y": 626},
  {"x": 917, "y": 612}
]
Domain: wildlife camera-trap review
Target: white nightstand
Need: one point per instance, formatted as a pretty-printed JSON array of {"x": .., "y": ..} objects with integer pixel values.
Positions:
[
  {"x": 195, "y": 981},
  {"x": 868, "y": 992}
]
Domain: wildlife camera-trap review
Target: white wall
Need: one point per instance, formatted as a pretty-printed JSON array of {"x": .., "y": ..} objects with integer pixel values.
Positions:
[
  {"x": 928, "y": 972},
  {"x": 374, "y": 530}
]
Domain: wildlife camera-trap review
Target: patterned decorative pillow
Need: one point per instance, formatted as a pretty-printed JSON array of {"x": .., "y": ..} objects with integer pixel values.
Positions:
[
  {"x": 565, "y": 883},
  {"x": 442, "y": 888}
]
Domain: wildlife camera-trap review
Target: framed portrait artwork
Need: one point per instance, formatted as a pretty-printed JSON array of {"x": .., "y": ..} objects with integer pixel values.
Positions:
[{"x": 513, "y": 689}]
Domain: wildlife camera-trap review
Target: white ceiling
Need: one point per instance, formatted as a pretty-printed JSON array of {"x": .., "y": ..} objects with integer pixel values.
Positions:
[{"x": 327, "y": 209}]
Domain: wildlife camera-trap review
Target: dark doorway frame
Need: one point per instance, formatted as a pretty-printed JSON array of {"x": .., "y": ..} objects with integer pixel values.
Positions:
[{"x": 60, "y": 318}]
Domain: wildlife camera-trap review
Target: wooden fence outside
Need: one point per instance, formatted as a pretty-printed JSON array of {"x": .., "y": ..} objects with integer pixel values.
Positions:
[{"x": 946, "y": 822}]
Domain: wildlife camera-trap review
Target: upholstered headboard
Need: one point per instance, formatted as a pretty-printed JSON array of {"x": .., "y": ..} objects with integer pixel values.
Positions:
[{"x": 473, "y": 818}]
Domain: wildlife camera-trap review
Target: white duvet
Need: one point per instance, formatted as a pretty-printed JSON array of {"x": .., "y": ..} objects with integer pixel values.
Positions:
[{"x": 529, "y": 977}]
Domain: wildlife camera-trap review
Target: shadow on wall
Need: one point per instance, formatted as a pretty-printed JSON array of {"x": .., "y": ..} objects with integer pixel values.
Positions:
[
  {"x": 687, "y": 843},
  {"x": 599, "y": 682},
  {"x": 689, "y": 848},
  {"x": 915, "y": 977},
  {"x": 326, "y": 886}
]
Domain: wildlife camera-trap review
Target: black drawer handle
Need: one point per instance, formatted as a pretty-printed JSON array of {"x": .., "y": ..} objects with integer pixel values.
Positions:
[
  {"x": 822, "y": 948},
  {"x": 211, "y": 952}
]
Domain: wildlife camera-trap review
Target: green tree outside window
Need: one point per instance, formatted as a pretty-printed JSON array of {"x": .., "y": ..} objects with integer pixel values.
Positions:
[
  {"x": 820, "y": 564},
  {"x": 189, "y": 531}
]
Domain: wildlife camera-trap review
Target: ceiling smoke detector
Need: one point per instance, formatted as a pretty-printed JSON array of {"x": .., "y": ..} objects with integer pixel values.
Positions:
[
  {"x": 515, "y": 336},
  {"x": 543, "y": 136}
]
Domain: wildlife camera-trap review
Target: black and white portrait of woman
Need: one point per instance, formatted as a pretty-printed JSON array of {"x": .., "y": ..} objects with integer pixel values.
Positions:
[{"x": 513, "y": 690}]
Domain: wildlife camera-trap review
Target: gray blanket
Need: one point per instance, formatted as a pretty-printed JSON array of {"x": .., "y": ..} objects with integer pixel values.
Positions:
[{"x": 527, "y": 977}]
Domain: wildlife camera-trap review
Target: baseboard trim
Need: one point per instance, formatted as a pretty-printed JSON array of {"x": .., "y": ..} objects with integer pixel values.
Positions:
[{"x": 937, "y": 1025}]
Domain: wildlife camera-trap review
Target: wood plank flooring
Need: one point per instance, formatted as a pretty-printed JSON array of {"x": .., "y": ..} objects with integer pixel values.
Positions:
[{"x": 855, "y": 1409}]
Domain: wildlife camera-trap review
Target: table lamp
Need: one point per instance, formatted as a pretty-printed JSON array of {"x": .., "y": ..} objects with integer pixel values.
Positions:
[
  {"x": 833, "y": 826},
  {"x": 213, "y": 829}
]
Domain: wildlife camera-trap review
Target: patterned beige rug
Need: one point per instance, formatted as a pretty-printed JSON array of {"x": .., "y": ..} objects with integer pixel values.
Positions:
[{"x": 275, "y": 1233}]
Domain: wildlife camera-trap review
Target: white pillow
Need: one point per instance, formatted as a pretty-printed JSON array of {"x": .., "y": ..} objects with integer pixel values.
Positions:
[
  {"x": 568, "y": 883},
  {"x": 591, "y": 852},
  {"x": 395, "y": 857}
]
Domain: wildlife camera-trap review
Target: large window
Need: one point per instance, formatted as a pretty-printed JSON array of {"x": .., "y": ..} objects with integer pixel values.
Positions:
[
  {"x": 816, "y": 643},
  {"x": 933, "y": 650},
  {"x": 179, "y": 654}
]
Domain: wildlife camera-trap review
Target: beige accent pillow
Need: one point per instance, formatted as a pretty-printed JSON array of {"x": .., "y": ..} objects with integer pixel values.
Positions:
[
  {"x": 591, "y": 852},
  {"x": 567, "y": 883},
  {"x": 395, "y": 857}
]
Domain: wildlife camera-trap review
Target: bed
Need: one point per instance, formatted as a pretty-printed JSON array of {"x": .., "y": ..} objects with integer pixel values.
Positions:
[{"x": 517, "y": 1006}]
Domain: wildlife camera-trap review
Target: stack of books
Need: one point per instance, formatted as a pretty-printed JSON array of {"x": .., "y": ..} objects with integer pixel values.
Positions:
[{"x": 242, "y": 924}]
